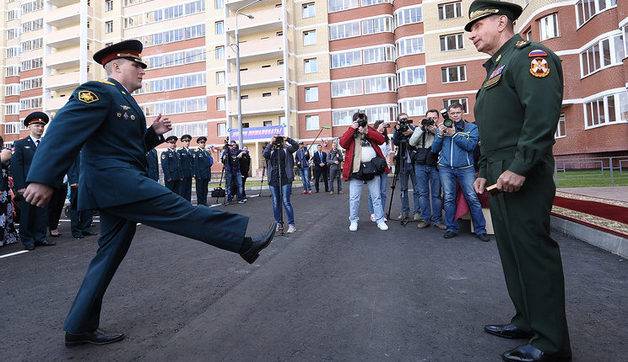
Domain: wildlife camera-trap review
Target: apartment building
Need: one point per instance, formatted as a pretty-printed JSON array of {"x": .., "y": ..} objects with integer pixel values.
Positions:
[{"x": 305, "y": 66}]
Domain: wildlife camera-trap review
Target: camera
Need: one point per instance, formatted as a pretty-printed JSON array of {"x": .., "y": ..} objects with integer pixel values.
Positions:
[
  {"x": 447, "y": 122},
  {"x": 427, "y": 122},
  {"x": 362, "y": 122},
  {"x": 386, "y": 125},
  {"x": 403, "y": 125},
  {"x": 278, "y": 141}
]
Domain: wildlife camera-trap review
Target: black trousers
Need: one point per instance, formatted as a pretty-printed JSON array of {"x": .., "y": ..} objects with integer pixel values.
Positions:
[
  {"x": 186, "y": 188},
  {"x": 55, "y": 206},
  {"x": 201, "y": 190},
  {"x": 33, "y": 222},
  {"x": 318, "y": 173}
]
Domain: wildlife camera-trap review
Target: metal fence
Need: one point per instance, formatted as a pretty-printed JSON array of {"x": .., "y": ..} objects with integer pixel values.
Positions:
[{"x": 591, "y": 168}]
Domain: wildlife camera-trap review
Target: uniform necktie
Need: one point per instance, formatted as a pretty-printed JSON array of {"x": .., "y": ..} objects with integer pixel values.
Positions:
[{"x": 36, "y": 143}]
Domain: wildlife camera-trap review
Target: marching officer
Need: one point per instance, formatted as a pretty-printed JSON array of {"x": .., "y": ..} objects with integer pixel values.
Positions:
[
  {"x": 203, "y": 162},
  {"x": 170, "y": 165},
  {"x": 185, "y": 162},
  {"x": 517, "y": 110},
  {"x": 103, "y": 119},
  {"x": 33, "y": 219}
]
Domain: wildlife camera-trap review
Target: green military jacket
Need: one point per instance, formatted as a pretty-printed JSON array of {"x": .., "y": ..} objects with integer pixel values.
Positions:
[{"x": 518, "y": 106}]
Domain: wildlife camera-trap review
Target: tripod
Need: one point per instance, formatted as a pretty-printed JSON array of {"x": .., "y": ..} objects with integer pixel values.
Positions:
[
  {"x": 278, "y": 150},
  {"x": 400, "y": 162},
  {"x": 219, "y": 186}
]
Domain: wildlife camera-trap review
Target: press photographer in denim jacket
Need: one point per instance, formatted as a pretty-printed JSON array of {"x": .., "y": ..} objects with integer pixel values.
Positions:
[{"x": 280, "y": 166}]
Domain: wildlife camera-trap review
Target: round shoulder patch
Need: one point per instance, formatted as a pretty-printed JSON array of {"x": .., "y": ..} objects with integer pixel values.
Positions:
[{"x": 539, "y": 67}]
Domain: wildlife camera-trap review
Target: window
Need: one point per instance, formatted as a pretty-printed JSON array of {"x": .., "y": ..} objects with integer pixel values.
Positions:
[
  {"x": 586, "y": 9},
  {"x": 12, "y": 89},
  {"x": 346, "y": 88},
  {"x": 279, "y": 62},
  {"x": 268, "y": 123},
  {"x": 604, "y": 53},
  {"x": 220, "y": 78},
  {"x": 311, "y": 123},
  {"x": 219, "y": 27},
  {"x": 108, "y": 5},
  {"x": 310, "y": 66},
  {"x": 220, "y": 103},
  {"x": 380, "y": 54},
  {"x": 625, "y": 31},
  {"x": 267, "y": 94},
  {"x": 281, "y": 91},
  {"x": 345, "y": 30},
  {"x": 311, "y": 94},
  {"x": 12, "y": 128},
  {"x": 11, "y": 109},
  {"x": 450, "y": 10},
  {"x": 109, "y": 26},
  {"x": 409, "y": 15},
  {"x": 528, "y": 34},
  {"x": 219, "y": 4},
  {"x": 549, "y": 26},
  {"x": 451, "y": 42},
  {"x": 374, "y": 2},
  {"x": 376, "y": 25},
  {"x": 603, "y": 110},
  {"x": 309, "y": 37},
  {"x": 346, "y": 59},
  {"x": 338, "y": 5},
  {"x": 13, "y": 33},
  {"x": 308, "y": 10},
  {"x": 12, "y": 70},
  {"x": 462, "y": 101},
  {"x": 456, "y": 73},
  {"x": 560, "y": 130},
  {"x": 384, "y": 112},
  {"x": 30, "y": 83},
  {"x": 411, "y": 76},
  {"x": 220, "y": 52},
  {"x": 30, "y": 103},
  {"x": 222, "y": 130},
  {"x": 12, "y": 52},
  {"x": 380, "y": 84},
  {"x": 408, "y": 46}
]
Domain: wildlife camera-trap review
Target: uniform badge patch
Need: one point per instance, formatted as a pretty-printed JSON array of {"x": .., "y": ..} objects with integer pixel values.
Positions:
[
  {"x": 132, "y": 117},
  {"x": 497, "y": 71},
  {"x": 163, "y": 156},
  {"x": 495, "y": 77},
  {"x": 87, "y": 96},
  {"x": 539, "y": 67},
  {"x": 126, "y": 116},
  {"x": 125, "y": 108},
  {"x": 537, "y": 53},
  {"x": 522, "y": 44}
]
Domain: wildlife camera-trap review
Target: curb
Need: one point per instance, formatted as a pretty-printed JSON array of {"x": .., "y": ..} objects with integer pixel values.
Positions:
[{"x": 601, "y": 239}]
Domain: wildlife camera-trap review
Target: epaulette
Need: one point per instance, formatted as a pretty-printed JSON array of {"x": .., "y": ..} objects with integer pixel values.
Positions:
[
  {"x": 106, "y": 82},
  {"x": 522, "y": 44}
]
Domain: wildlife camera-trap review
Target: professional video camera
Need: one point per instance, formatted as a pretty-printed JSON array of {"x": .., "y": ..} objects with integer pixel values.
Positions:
[
  {"x": 403, "y": 125},
  {"x": 362, "y": 120},
  {"x": 447, "y": 122}
]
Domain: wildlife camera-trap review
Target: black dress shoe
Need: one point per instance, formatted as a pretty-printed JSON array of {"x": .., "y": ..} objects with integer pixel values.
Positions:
[
  {"x": 45, "y": 243},
  {"x": 258, "y": 243},
  {"x": 484, "y": 237},
  {"x": 449, "y": 234},
  {"x": 29, "y": 247},
  {"x": 95, "y": 337},
  {"x": 509, "y": 331},
  {"x": 529, "y": 353},
  {"x": 77, "y": 236},
  {"x": 89, "y": 233}
]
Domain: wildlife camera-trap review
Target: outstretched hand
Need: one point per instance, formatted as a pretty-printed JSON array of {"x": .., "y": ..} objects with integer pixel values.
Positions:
[{"x": 161, "y": 125}]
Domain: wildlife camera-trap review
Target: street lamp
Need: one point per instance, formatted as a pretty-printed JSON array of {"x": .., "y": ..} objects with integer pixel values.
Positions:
[{"x": 238, "y": 89}]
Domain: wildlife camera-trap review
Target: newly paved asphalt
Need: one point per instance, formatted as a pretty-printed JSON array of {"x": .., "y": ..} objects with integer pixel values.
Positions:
[{"x": 323, "y": 293}]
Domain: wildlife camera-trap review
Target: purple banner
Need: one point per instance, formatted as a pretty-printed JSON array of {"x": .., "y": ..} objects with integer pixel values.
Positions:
[{"x": 256, "y": 133}]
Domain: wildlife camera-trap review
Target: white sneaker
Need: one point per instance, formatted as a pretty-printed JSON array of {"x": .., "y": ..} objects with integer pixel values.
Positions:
[
  {"x": 382, "y": 226},
  {"x": 417, "y": 217},
  {"x": 353, "y": 226},
  {"x": 373, "y": 217},
  {"x": 291, "y": 229}
]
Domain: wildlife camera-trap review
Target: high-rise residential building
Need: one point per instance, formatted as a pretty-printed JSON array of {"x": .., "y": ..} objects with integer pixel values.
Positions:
[{"x": 306, "y": 66}]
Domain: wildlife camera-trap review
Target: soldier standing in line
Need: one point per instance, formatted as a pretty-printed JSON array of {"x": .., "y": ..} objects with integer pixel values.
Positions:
[
  {"x": 171, "y": 166},
  {"x": 185, "y": 161},
  {"x": 517, "y": 110},
  {"x": 153, "y": 164},
  {"x": 203, "y": 162}
]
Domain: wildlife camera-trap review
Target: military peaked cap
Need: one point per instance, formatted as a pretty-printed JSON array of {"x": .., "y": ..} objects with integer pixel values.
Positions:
[
  {"x": 171, "y": 138},
  {"x": 36, "y": 118},
  {"x": 186, "y": 137},
  {"x": 202, "y": 138},
  {"x": 480, "y": 9},
  {"x": 128, "y": 49}
]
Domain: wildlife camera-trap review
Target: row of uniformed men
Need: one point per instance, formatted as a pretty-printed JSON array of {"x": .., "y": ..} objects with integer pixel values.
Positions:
[{"x": 181, "y": 165}]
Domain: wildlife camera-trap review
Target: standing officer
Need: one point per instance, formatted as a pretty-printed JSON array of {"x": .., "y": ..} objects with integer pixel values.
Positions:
[
  {"x": 320, "y": 168},
  {"x": 153, "y": 164},
  {"x": 517, "y": 111},
  {"x": 170, "y": 165},
  {"x": 103, "y": 119},
  {"x": 203, "y": 162},
  {"x": 33, "y": 220},
  {"x": 185, "y": 160}
]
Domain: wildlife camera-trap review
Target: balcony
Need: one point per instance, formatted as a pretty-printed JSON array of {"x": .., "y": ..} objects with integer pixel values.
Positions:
[
  {"x": 264, "y": 20},
  {"x": 64, "y": 80},
  {"x": 259, "y": 106},
  {"x": 260, "y": 49},
  {"x": 54, "y": 104},
  {"x": 65, "y": 58},
  {"x": 67, "y": 37},
  {"x": 66, "y": 15},
  {"x": 273, "y": 76},
  {"x": 62, "y": 2}
]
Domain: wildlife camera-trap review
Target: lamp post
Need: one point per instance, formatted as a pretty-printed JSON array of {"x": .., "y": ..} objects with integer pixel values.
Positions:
[{"x": 238, "y": 86}]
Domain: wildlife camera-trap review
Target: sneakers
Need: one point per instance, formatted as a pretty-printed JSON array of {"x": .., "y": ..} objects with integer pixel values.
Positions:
[
  {"x": 340, "y": 192},
  {"x": 440, "y": 225},
  {"x": 353, "y": 226},
  {"x": 417, "y": 217},
  {"x": 304, "y": 192},
  {"x": 422, "y": 224},
  {"x": 291, "y": 229},
  {"x": 331, "y": 192},
  {"x": 382, "y": 226},
  {"x": 241, "y": 201},
  {"x": 309, "y": 192}
]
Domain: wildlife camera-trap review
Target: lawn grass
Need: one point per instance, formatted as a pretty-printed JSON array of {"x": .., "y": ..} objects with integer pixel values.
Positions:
[{"x": 590, "y": 178}]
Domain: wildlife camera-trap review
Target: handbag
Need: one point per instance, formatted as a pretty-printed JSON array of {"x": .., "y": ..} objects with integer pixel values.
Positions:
[{"x": 368, "y": 170}]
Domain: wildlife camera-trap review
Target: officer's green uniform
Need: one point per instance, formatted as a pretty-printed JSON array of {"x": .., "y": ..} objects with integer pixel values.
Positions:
[{"x": 517, "y": 111}]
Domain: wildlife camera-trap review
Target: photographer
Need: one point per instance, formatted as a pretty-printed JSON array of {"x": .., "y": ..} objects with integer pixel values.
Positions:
[
  {"x": 334, "y": 160},
  {"x": 280, "y": 166},
  {"x": 364, "y": 163},
  {"x": 427, "y": 177},
  {"x": 386, "y": 148},
  {"x": 403, "y": 130},
  {"x": 302, "y": 159},
  {"x": 458, "y": 138},
  {"x": 233, "y": 176}
]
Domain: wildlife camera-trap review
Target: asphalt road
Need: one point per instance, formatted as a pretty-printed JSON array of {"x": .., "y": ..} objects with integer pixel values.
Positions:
[{"x": 323, "y": 293}]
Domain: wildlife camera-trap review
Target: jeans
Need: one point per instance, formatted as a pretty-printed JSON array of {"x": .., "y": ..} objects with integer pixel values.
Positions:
[
  {"x": 427, "y": 178},
  {"x": 355, "y": 191},
  {"x": 237, "y": 178},
  {"x": 335, "y": 172},
  {"x": 465, "y": 177},
  {"x": 383, "y": 183},
  {"x": 305, "y": 178},
  {"x": 286, "y": 190},
  {"x": 406, "y": 171}
]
